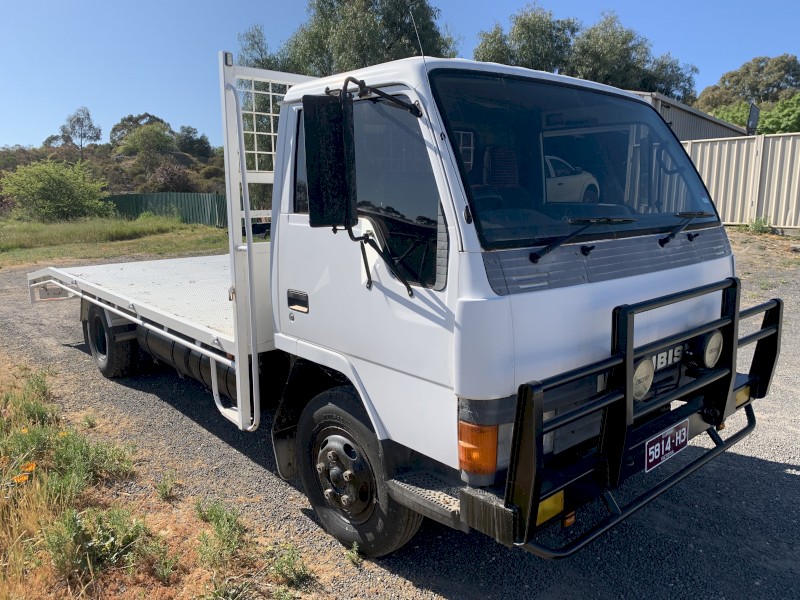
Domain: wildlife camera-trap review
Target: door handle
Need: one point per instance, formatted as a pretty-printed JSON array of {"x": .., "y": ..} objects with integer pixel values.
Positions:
[{"x": 297, "y": 301}]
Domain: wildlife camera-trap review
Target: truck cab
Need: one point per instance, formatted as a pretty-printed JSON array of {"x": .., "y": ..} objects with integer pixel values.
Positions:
[{"x": 500, "y": 333}]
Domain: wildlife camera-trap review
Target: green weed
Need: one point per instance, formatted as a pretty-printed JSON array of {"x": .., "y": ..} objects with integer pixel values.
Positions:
[
  {"x": 82, "y": 543},
  {"x": 166, "y": 485},
  {"x": 353, "y": 555},
  {"x": 155, "y": 550},
  {"x": 282, "y": 593},
  {"x": 230, "y": 588},
  {"x": 287, "y": 566},
  {"x": 74, "y": 452},
  {"x": 227, "y": 535}
]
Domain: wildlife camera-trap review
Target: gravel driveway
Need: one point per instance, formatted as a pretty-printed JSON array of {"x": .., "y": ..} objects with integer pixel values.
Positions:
[{"x": 730, "y": 531}]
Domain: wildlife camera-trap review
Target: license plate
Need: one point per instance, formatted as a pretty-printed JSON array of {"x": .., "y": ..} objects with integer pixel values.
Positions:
[{"x": 665, "y": 445}]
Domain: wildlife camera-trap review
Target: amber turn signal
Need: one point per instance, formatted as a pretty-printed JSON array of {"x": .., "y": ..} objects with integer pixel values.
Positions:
[
  {"x": 568, "y": 520},
  {"x": 477, "y": 448}
]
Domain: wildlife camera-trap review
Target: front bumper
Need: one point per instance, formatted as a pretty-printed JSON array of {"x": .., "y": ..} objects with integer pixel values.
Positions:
[{"x": 619, "y": 451}]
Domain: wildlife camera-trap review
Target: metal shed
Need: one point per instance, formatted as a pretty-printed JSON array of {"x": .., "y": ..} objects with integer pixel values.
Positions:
[{"x": 689, "y": 123}]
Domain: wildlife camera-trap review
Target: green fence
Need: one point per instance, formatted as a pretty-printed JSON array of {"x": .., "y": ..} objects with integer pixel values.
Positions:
[{"x": 206, "y": 209}]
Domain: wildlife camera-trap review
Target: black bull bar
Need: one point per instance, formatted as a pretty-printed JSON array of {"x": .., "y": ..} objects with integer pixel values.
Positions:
[{"x": 708, "y": 400}]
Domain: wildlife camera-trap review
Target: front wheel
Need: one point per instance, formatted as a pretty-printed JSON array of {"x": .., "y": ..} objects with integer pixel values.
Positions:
[
  {"x": 591, "y": 195},
  {"x": 342, "y": 476}
]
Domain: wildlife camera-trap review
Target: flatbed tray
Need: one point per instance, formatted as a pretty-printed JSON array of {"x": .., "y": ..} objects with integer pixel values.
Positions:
[{"x": 186, "y": 295}]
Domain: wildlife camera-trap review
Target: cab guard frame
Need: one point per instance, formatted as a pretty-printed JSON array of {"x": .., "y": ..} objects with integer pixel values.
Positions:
[{"x": 711, "y": 396}]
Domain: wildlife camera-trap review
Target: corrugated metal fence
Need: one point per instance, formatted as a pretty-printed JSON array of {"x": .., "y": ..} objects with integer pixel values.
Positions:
[
  {"x": 206, "y": 209},
  {"x": 752, "y": 177}
]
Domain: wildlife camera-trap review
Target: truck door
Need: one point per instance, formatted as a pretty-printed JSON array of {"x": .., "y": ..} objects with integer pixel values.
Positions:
[{"x": 400, "y": 345}]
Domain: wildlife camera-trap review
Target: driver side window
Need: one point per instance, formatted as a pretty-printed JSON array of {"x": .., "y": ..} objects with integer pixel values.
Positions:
[{"x": 396, "y": 190}]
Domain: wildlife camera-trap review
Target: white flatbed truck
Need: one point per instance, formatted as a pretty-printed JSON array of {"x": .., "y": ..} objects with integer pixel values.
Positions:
[{"x": 446, "y": 323}]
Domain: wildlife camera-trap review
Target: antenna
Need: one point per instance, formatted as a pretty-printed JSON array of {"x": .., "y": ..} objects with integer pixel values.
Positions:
[{"x": 419, "y": 41}]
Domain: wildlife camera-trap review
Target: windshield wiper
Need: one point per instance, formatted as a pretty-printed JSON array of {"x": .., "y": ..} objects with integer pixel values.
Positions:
[
  {"x": 687, "y": 217},
  {"x": 589, "y": 222}
]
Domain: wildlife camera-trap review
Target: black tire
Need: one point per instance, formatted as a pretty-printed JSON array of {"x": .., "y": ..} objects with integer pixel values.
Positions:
[
  {"x": 113, "y": 358},
  {"x": 334, "y": 438},
  {"x": 590, "y": 195}
]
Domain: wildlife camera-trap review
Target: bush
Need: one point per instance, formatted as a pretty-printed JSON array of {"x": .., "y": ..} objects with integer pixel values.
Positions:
[
  {"x": 211, "y": 172},
  {"x": 49, "y": 191},
  {"x": 170, "y": 177},
  {"x": 760, "y": 225}
]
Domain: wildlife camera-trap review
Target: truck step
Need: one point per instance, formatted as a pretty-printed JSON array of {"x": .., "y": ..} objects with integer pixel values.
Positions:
[{"x": 429, "y": 494}]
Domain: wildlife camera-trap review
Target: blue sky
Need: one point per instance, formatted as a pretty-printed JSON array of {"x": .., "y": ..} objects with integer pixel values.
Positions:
[{"x": 119, "y": 57}]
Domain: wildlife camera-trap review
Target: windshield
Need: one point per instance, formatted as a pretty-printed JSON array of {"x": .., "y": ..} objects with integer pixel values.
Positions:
[{"x": 536, "y": 155}]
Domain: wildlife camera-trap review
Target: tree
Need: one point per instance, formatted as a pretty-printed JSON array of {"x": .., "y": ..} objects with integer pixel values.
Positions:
[
  {"x": 736, "y": 113},
  {"x": 79, "y": 129},
  {"x": 666, "y": 75},
  {"x": 188, "y": 141},
  {"x": 494, "y": 46},
  {"x": 254, "y": 50},
  {"x": 130, "y": 123},
  {"x": 49, "y": 191},
  {"x": 330, "y": 43},
  {"x": 784, "y": 117},
  {"x": 762, "y": 80},
  {"x": 606, "y": 52},
  {"x": 170, "y": 177},
  {"x": 609, "y": 53},
  {"x": 13, "y": 156},
  {"x": 53, "y": 141},
  {"x": 535, "y": 39},
  {"x": 149, "y": 143}
]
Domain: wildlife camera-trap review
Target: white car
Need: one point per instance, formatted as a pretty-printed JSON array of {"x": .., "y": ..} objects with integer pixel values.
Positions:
[{"x": 566, "y": 183}]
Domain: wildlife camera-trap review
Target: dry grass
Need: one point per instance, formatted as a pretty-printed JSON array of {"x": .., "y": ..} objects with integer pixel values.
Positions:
[
  {"x": 71, "y": 528},
  {"x": 32, "y": 243}
]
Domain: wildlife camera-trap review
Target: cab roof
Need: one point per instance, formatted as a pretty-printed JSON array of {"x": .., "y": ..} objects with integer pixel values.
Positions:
[{"x": 413, "y": 72}]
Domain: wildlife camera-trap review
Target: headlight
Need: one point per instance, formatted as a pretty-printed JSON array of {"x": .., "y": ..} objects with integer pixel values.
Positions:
[
  {"x": 643, "y": 375},
  {"x": 712, "y": 349}
]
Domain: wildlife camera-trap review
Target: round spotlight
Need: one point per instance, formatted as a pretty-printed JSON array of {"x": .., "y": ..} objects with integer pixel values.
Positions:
[
  {"x": 643, "y": 375},
  {"x": 712, "y": 349}
]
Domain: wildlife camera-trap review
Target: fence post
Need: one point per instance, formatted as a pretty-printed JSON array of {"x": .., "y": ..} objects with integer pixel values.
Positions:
[{"x": 757, "y": 203}]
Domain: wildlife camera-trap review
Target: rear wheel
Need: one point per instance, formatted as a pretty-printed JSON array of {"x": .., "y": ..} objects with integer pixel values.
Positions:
[
  {"x": 340, "y": 469},
  {"x": 113, "y": 358}
]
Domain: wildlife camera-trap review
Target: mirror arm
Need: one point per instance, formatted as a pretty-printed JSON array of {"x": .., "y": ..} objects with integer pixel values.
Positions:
[
  {"x": 364, "y": 90},
  {"x": 387, "y": 258}
]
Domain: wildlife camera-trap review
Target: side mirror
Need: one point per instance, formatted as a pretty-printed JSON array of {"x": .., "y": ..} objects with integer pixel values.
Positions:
[
  {"x": 578, "y": 170},
  {"x": 330, "y": 161}
]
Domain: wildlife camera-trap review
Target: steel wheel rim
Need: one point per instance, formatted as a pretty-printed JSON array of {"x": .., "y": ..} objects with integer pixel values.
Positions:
[{"x": 344, "y": 475}]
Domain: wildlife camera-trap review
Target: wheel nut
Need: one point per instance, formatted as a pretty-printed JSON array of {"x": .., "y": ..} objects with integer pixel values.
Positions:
[
  {"x": 348, "y": 475},
  {"x": 320, "y": 467},
  {"x": 346, "y": 500},
  {"x": 331, "y": 455},
  {"x": 330, "y": 494}
]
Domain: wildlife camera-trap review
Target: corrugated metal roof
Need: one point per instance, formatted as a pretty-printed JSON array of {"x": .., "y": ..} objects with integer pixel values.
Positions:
[{"x": 689, "y": 123}]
